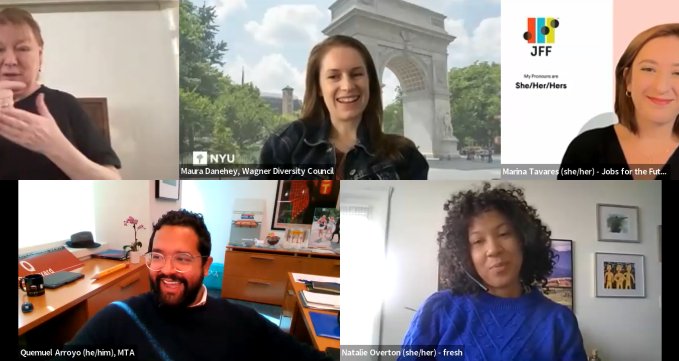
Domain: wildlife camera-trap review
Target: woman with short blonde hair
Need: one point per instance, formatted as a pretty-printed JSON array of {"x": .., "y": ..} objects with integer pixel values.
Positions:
[{"x": 44, "y": 132}]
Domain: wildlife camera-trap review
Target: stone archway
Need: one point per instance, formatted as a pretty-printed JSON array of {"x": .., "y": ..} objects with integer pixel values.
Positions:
[{"x": 411, "y": 41}]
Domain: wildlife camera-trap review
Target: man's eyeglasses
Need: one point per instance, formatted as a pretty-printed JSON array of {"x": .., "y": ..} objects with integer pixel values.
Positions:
[{"x": 182, "y": 262}]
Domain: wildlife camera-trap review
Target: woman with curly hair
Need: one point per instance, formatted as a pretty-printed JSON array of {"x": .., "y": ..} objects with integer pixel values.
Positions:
[{"x": 494, "y": 250}]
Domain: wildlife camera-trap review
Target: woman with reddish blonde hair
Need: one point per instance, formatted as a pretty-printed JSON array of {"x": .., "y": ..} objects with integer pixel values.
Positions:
[
  {"x": 44, "y": 133},
  {"x": 647, "y": 106}
]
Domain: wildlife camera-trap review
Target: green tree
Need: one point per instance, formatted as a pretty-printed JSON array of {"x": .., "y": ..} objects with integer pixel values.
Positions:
[
  {"x": 200, "y": 80},
  {"x": 393, "y": 114},
  {"x": 215, "y": 114},
  {"x": 247, "y": 118},
  {"x": 475, "y": 101}
]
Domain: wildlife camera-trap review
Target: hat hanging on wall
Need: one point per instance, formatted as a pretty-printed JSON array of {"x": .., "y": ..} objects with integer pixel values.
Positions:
[{"x": 82, "y": 240}]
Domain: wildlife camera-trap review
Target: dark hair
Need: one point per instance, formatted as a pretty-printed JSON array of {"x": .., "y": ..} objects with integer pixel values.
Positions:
[
  {"x": 188, "y": 219},
  {"x": 508, "y": 200},
  {"x": 314, "y": 109},
  {"x": 624, "y": 106}
]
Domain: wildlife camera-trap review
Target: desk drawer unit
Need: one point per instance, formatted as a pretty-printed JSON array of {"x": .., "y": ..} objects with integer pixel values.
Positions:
[
  {"x": 322, "y": 267},
  {"x": 262, "y": 276},
  {"x": 129, "y": 286},
  {"x": 254, "y": 289},
  {"x": 264, "y": 266}
]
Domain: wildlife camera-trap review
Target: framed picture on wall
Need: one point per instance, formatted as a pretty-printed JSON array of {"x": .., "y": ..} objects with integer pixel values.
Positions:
[
  {"x": 617, "y": 223},
  {"x": 619, "y": 275},
  {"x": 167, "y": 189},
  {"x": 297, "y": 200},
  {"x": 559, "y": 287}
]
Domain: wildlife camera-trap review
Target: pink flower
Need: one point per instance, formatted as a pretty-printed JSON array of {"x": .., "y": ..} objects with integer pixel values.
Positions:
[{"x": 141, "y": 226}]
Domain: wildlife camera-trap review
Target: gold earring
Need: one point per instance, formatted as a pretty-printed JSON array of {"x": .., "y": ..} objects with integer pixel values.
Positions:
[{"x": 628, "y": 93}]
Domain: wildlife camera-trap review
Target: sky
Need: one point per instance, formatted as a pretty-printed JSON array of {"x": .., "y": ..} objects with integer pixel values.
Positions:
[{"x": 272, "y": 38}]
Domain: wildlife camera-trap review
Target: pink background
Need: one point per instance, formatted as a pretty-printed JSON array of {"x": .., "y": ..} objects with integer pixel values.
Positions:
[{"x": 630, "y": 17}]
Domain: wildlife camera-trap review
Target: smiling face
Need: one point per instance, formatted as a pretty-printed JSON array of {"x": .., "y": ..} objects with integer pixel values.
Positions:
[
  {"x": 653, "y": 81},
  {"x": 344, "y": 83},
  {"x": 179, "y": 289},
  {"x": 20, "y": 56},
  {"x": 495, "y": 250}
]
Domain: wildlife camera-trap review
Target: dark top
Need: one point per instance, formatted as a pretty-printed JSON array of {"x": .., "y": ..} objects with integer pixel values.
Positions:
[
  {"x": 17, "y": 162},
  {"x": 339, "y": 164},
  {"x": 600, "y": 149},
  {"x": 305, "y": 145},
  {"x": 218, "y": 330}
]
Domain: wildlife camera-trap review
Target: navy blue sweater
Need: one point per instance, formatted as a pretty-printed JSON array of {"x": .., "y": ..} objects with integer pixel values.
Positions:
[
  {"x": 218, "y": 330},
  {"x": 530, "y": 327}
]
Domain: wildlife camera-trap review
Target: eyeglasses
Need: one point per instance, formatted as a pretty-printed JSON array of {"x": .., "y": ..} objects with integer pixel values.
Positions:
[{"x": 182, "y": 262}]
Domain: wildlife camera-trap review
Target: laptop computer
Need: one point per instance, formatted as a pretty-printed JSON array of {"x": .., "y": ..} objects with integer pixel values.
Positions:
[
  {"x": 111, "y": 254},
  {"x": 56, "y": 280}
]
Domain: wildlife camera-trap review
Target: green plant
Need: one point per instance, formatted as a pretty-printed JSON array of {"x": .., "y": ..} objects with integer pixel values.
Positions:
[
  {"x": 136, "y": 245},
  {"x": 615, "y": 223}
]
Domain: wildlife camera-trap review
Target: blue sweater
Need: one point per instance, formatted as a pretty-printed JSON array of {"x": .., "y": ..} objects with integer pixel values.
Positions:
[{"x": 530, "y": 327}]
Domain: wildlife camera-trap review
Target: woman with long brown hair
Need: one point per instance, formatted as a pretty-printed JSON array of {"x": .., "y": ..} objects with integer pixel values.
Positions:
[
  {"x": 341, "y": 123},
  {"x": 647, "y": 106}
]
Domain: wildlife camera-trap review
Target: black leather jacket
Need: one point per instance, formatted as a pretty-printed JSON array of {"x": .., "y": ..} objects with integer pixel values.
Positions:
[{"x": 300, "y": 144}]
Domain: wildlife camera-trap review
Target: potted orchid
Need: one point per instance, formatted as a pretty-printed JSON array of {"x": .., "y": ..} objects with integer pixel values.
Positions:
[{"x": 134, "y": 251}]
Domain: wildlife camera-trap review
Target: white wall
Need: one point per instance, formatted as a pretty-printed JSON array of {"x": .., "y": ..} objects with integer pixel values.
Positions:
[
  {"x": 131, "y": 58},
  {"x": 621, "y": 329},
  {"x": 215, "y": 198},
  {"x": 114, "y": 201},
  {"x": 111, "y": 202}
]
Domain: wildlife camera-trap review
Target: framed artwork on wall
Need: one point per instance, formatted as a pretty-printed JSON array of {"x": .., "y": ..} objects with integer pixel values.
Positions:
[
  {"x": 297, "y": 200},
  {"x": 167, "y": 189},
  {"x": 619, "y": 275},
  {"x": 559, "y": 287},
  {"x": 617, "y": 223}
]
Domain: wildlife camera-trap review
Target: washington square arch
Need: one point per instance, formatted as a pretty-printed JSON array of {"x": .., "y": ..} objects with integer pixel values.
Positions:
[{"x": 412, "y": 42}]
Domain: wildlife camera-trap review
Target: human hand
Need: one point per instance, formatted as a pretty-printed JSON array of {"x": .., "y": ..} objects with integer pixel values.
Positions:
[
  {"x": 37, "y": 132},
  {"x": 7, "y": 89}
]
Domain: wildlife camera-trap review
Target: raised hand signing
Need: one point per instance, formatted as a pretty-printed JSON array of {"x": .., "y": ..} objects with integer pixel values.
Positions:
[{"x": 37, "y": 132}]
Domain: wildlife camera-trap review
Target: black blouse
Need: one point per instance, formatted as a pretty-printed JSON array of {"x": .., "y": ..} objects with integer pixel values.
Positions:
[
  {"x": 17, "y": 162},
  {"x": 600, "y": 149}
]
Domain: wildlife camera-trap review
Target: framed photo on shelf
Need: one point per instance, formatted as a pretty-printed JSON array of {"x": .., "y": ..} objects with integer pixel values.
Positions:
[
  {"x": 619, "y": 275},
  {"x": 167, "y": 189},
  {"x": 297, "y": 200},
  {"x": 617, "y": 223}
]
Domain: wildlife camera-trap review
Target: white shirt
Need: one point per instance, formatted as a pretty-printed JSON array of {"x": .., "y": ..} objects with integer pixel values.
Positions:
[{"x": 202, "y": 301}]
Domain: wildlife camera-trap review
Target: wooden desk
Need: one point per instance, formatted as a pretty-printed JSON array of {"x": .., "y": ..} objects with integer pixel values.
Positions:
[
  {"x": 299, "y": 319},
  {"x": 63, "y": 311}
]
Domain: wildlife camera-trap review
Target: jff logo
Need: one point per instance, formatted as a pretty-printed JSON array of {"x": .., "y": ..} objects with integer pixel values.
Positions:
[
  {"x": 541, "y": 31},
  {"x": 199, "y": 158}
]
